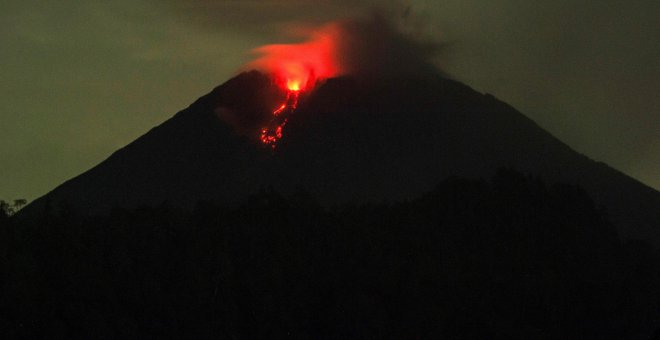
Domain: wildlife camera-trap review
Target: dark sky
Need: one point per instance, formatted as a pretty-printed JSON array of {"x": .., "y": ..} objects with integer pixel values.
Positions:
[{"x": 81, "y": 79}]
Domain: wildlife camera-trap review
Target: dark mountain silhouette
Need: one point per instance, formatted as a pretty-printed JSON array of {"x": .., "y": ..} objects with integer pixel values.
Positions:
[
  {"x": 351, "y": 140},
  {"x": 392, "y": 208}
]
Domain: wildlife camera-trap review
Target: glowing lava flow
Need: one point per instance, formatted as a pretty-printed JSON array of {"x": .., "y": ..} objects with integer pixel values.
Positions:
[{"x": 272, "y": 133}]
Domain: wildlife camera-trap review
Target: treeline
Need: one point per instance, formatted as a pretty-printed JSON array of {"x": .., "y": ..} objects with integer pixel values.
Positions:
[
  {"x": 7, "y": 209},
  {"x": 508, "y": 258}
]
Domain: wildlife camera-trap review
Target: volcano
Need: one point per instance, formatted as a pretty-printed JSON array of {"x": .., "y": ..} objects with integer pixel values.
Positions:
[{"x": 350, "y": 140}]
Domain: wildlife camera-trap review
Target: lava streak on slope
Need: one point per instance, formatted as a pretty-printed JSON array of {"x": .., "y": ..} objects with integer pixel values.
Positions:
[{"x": 272, "y": 133}]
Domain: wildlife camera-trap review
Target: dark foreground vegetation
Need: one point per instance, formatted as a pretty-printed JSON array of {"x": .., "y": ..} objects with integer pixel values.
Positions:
[{"x": 509, "y": 258}]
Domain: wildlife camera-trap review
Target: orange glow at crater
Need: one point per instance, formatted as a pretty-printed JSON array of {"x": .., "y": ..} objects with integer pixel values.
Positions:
[{"x": 293, "y": 85}]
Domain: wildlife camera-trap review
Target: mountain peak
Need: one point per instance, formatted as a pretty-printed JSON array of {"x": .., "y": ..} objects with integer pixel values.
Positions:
[{"x": 350, "y": 139}]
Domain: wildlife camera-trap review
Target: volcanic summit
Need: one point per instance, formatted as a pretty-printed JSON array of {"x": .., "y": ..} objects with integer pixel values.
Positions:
[{"x": 352, "y": 139}]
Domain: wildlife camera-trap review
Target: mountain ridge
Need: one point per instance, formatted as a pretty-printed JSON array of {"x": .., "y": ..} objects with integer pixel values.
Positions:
[{"x": 351, "y": 140}]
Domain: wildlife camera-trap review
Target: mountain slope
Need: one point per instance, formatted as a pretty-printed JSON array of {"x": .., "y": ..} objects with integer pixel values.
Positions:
[{"x": 352, "y": 140}]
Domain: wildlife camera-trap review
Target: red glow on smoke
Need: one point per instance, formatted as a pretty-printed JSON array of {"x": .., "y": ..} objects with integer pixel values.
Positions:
[{"x": 297, "y": 68}]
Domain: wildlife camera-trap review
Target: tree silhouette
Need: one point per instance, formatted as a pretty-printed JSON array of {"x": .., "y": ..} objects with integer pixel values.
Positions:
[
  {"x": 7, "y": 209},
  {"x": 511, "y": 257}
]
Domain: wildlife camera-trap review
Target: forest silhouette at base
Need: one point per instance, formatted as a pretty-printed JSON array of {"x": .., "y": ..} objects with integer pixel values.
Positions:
[{"x": 507, "y": 258}]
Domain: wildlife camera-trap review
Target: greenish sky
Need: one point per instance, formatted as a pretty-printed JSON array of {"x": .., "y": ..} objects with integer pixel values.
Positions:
[{"x": 81, "y": 79}]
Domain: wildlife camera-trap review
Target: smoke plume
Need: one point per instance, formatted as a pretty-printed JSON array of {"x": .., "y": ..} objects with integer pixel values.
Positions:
[{"x": 374, "y": 46}]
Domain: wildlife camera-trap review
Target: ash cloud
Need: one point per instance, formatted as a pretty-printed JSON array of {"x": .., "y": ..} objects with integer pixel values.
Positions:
[
  {"x": 376, "y": 46},
  {"x": 379, "y": 37}
]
